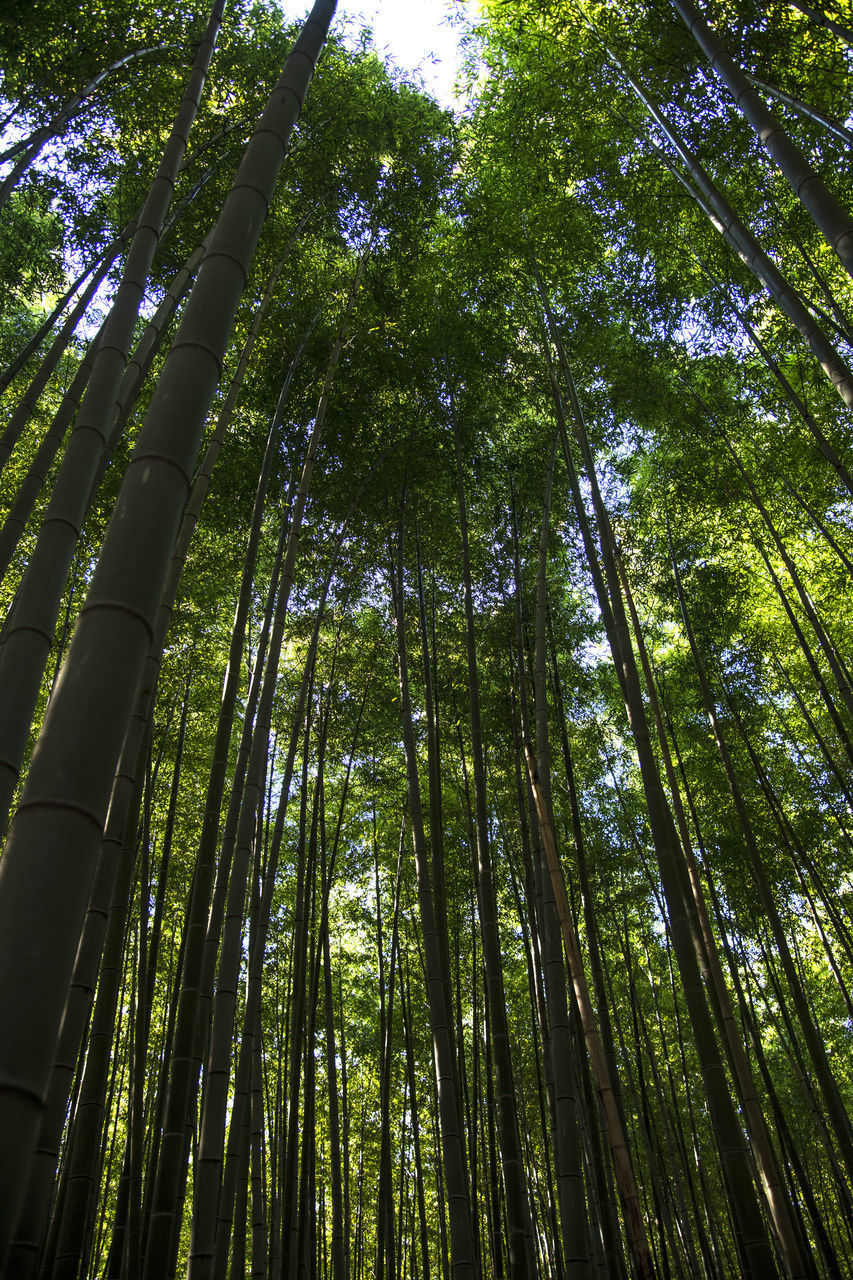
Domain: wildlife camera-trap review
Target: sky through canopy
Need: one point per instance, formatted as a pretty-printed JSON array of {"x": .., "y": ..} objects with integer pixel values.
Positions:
[{"x": 421, "y": 35}]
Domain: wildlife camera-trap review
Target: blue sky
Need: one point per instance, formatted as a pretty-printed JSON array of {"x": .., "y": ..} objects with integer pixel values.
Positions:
[{"x": 417, "y": 35}]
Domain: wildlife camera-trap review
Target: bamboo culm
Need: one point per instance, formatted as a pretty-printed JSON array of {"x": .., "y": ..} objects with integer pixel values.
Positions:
[{"x": 54, "y": 845}]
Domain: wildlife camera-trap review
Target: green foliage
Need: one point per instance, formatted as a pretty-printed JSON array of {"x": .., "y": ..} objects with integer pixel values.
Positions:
[{"x": 556, "y": 173}]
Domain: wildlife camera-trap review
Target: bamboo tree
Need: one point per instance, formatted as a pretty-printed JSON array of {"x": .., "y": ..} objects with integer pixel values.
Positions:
[
  {"x": 519, "y": 1224},
  {"x": 301, "y": 935},
  {"x": 29, "y": 349},
  {"x": 26, "y": 648},
  {"x": 28, "y": 149},
  {"x": 707, "y": 955},
  {"x": 810, "y": 112},
  {"x": 826, "y": 1081},
  {"x": 452, "y": 1136},
  {"x": 26, "y": 405},
  {"x": 49, "y": 843},
  {"x": 828, "y": 214},
  {"x": 733, "y": 1152},
  {"x": 566, "y": 1132},
  {"x": 15, "y": 522},
  {"x": 745, "y": 244},
  {"x": 201, "y": 1252},
  {"x": 385, "y": 1244},
  {"x": 311, "y": 1145}
]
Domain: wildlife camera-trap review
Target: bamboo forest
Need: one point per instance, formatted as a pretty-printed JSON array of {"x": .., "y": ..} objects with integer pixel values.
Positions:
[{"x": 426, "y": 665}]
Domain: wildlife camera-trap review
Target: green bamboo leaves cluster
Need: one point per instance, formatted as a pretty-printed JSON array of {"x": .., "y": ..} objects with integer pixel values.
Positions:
[{"x": 426, "y": 685}]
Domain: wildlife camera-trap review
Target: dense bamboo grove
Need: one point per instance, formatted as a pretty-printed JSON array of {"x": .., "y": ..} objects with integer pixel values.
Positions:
[{"x": 426, "y": 709}]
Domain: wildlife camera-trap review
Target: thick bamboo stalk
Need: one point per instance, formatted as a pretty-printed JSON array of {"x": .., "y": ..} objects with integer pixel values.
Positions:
[
  {"x": 30, "y": 631},
  {"x": 88, "y": 957},
  {"x": 49, "y": 859}
]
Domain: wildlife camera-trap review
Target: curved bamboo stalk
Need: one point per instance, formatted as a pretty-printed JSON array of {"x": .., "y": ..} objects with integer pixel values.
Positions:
[
  {"x": 773, "y": 365},
  {"x": 804, "y": 109},
  {"x": 722, "y": 214},
  {"x": 821, "y": 20},
  {"x": 829, "y": 215},
  {"x": 128, "y": 390},
  {"x": 24, "y": 409},
  {"x": 29, "y": 349},
  {"x": 32, "y": 145}
]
